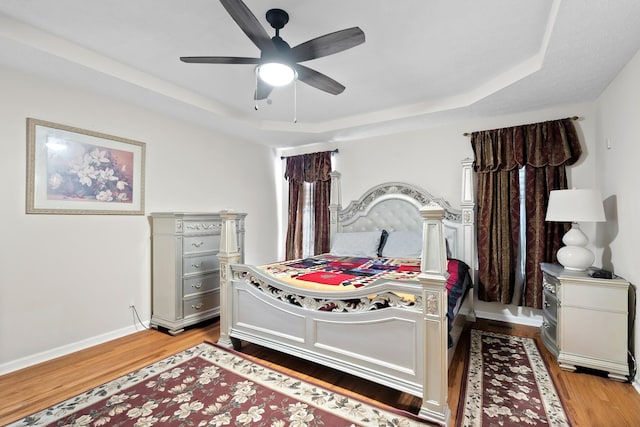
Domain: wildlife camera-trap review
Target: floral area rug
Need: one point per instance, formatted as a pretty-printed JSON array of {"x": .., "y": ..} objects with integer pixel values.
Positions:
[
  {"x": 507, "y": 384},
  {"x": 209, "y": 386}
]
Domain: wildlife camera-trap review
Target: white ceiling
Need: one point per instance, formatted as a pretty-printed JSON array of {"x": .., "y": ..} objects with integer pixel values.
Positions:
[{"x": 424, "y": 62}]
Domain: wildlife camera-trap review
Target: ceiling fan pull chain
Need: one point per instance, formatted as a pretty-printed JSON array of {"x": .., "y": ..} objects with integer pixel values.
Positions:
[
  {"x": 295, "y": 101},
  {"x": 255, "y": 93}
]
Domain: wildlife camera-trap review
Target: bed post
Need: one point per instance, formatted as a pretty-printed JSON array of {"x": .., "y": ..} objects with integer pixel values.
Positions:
[
  {"x": 228, "y": 255},
  {"x": 434, "y": 296},
  {"x": 334, "y": 204},
  {"x": 468, "y": 206}
]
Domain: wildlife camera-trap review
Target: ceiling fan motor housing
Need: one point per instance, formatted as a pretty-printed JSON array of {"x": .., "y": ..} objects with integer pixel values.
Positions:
[{"x": 278, "y": 18}]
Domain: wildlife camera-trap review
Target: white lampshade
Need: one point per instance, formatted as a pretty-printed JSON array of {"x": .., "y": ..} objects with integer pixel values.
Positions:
[
  {"x": 276, "y": 73},
  {"x": 575, "y": 206}
]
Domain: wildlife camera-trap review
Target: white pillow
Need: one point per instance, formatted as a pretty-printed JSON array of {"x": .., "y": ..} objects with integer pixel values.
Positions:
[
  {"x": 363, "y": 244},
  {"x": 403, "y": 244}
]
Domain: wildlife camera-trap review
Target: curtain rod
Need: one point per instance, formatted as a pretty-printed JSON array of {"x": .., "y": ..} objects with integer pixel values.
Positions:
[
  {"x": 571, "y": 118},
  {"x": 332, "y": 153}
]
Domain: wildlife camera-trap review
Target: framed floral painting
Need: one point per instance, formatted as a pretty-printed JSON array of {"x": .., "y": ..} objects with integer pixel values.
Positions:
[{"x": 76, "y": 171}]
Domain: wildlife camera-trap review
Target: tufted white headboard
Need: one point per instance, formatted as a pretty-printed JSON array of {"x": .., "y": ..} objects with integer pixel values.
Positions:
[
  {"x": 395, "y": 206},
  {"x": 389, "y": 213}
]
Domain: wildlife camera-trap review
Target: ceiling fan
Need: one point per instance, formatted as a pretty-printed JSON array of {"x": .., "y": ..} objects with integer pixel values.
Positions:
[{"x": 274, "y": 50}]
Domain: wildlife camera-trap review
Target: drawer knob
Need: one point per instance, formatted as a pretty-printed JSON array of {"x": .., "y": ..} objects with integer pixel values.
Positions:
[
  {"x": 198, "y": 265},
  {"x": 197, "y": 306},
  {"x": 196, "y": 285},
  {"x": 545, "y": 325},
  {"x": 197, "y": 244}
]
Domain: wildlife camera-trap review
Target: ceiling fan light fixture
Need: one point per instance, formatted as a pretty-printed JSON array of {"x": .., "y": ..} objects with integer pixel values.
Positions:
[
  {"x": 276, "y": 73},
  {"x": 276, "y": 53}
]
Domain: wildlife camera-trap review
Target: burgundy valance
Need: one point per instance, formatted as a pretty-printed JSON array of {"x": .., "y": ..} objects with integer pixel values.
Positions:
[
  {"x": 551, "y": 143},
  {"x": 310, "y": 167}
]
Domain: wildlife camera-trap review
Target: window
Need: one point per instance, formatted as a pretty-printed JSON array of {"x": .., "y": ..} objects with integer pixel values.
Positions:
[
  {"x": 308, "y": 220},
  {"x": 522, "y": 253}
]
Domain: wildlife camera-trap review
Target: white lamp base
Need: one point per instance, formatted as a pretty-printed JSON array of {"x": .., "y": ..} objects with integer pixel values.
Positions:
[{"x": 574, "y": 256}]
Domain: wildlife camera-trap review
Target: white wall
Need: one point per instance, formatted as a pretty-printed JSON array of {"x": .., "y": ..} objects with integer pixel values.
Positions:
[
  {"x": 66, "y": 280},
  {"x": 619, "y": 124}
]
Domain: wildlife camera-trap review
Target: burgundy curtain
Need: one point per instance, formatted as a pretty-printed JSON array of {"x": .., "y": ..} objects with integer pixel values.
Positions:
[
  {"x": 545, "y": 149},
  {"x": 322, "y": 196},
  {"x": 314, "y": 168}
]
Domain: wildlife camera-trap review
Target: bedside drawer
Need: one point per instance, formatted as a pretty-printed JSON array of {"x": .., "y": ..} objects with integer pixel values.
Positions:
[
  {"x": 200, "y": 264},
  {"x": 549, "y": 338},
  {"x": 200, "y": 284},
  {"x": 201, "y": 303},
  {"x": 595, "y": 296},
  {"x": 195, "y": 244},
  {"x": 550, "y": 306},
  {"x": 550, "y": 330}
]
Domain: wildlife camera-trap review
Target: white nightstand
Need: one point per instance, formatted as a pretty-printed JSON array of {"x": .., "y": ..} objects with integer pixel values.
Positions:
[{"x": 585, "y": 320}]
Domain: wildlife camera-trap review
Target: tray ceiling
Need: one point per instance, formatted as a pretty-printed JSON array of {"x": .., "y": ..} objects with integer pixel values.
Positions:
[{"x": 423, "y": 62}]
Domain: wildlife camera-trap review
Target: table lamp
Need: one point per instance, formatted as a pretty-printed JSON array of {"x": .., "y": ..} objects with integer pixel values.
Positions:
[{"x": 575, "y": 205}]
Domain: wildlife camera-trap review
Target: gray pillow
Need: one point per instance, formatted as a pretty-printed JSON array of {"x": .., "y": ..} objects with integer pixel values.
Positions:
[{"x": 363, "y": 244}]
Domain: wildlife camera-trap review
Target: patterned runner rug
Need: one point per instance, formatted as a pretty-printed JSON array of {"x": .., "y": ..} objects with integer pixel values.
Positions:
[
  {"x": 210, "y": 386},
  {"x": 507, "y": 384}
]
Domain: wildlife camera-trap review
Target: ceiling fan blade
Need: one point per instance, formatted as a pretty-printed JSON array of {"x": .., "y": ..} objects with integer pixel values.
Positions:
[
  {"x": 262, "y": 90},
  {"x": 327, "y": 44},
  {"x": 318, "y": 80},
  {"x": 219, "y": 60},
  {"x": 249, "y": 24}
]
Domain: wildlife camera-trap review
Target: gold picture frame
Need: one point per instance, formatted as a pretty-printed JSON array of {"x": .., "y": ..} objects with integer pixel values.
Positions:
[{"x": 80, "y": 172}]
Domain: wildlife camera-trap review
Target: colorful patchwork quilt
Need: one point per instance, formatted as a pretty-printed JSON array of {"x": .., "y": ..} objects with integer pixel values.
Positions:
[{"x": 329, "y": 272}]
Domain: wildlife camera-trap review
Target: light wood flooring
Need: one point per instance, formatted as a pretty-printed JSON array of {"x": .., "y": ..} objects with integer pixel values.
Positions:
[{"x": 590, "y": 400}]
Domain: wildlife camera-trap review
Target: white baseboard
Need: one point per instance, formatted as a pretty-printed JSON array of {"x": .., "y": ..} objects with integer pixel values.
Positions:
[
  {"x": 508, "y": 313},
  {"x": 64, "y": 350}
]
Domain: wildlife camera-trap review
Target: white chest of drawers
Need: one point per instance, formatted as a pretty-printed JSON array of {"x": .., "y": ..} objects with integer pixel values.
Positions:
[
  {"x": 185, "y": 269},
  {"x": 585, "y": 320}
]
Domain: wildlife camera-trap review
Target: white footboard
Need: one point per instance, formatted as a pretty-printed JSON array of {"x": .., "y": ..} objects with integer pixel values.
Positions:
[
  {"x": 380, "y": 345},
  {"x": 403, "y": 346}
]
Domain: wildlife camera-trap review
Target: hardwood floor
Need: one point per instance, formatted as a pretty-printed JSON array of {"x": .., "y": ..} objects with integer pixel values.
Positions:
[{"x": 590, "y": 400}]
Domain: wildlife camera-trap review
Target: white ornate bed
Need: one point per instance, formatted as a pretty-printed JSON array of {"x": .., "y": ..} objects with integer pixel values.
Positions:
[{"x": 403, "y": 346}]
